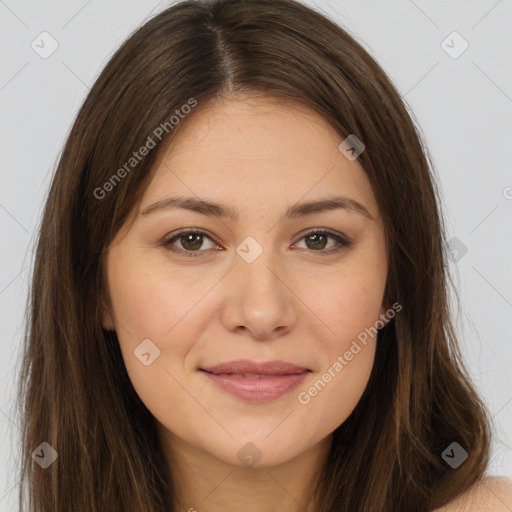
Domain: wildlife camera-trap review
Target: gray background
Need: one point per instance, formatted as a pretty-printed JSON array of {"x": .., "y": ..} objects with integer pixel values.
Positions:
[{"x": 463, "y": 106}]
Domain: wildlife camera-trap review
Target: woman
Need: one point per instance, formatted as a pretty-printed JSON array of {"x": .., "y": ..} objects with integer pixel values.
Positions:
[{"x": 239, "y": 295}]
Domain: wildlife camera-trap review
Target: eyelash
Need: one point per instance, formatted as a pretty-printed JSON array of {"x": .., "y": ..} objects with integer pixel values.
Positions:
[{"x": 167, "y": 242}]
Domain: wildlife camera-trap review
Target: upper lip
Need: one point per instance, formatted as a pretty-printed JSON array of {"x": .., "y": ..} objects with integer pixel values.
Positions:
[{"x": 241, "y": 366}]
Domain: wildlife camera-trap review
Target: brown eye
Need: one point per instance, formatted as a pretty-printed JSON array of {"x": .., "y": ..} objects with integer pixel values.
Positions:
[
  {"x": 189, "y": 243},
  {"x": 317, "y": 241}
]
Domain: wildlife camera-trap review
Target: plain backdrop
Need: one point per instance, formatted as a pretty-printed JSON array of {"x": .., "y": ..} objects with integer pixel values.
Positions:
[{"x": 460, "y": 97}]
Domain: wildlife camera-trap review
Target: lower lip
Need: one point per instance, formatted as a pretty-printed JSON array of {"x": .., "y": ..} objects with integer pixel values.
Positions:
[{"x": 257, "y": 390}]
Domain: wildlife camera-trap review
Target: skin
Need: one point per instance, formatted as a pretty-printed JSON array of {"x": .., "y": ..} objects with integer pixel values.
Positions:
[
  {"x": 294, "y": 302},
  {"x": 491, "y": 494}
]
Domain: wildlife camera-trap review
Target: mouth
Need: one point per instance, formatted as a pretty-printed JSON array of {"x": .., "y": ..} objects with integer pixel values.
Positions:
[{"x": 256, "y": 382}]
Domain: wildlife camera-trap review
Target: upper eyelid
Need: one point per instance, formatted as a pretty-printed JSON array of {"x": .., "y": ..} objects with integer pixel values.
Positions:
[{"x": 188, "y": 230}]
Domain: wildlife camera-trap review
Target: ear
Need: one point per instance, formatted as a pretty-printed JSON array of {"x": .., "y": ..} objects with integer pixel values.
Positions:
[
  {"x": 383, "y": 315},
  {"x": 388, "y": 312},
  {"x": 107, "y": 319}
]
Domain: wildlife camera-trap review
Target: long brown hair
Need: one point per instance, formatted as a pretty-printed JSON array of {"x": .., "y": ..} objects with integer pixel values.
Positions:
[{"x": 74, "y": 391}]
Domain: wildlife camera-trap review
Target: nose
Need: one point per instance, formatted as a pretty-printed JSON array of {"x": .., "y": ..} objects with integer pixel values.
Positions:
[{"x": 258, "y": 299}]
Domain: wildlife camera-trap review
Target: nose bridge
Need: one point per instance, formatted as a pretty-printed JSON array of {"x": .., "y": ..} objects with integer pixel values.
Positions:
[
  {"x": 260, "y": 301},
  {"x": 256, "y": 269}
]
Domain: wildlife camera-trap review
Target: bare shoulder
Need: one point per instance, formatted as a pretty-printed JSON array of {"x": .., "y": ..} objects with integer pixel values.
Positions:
[{"x": 491, "y": 494}]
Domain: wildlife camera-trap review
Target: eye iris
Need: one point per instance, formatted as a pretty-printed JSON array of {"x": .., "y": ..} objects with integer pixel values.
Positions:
[
  {"x": 314, "y": 238},
  {"x": 189, "y": 240}
]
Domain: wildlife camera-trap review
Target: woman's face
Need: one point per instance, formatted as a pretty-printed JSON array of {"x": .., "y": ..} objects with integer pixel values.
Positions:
[{"x": 256, "y": 285}]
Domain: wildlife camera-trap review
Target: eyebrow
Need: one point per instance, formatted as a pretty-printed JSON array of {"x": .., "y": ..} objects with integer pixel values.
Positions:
[{"x": 213, "y": 209}]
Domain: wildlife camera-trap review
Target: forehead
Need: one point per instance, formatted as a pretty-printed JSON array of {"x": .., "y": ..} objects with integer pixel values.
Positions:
[
  {"x": 257, "y": 152},
  {"x": 252, "y": 127}
]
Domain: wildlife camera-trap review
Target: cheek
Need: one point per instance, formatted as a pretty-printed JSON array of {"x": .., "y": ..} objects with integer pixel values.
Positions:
[
  {"x": 347, "y": 304},
  {"x": 150, "y": 302},
  {"x": 333, "y": 394},
  {"x": 335, "y": 389},
  {"x": 150, "y": 305},
  {"x": 349, "y": 310}
]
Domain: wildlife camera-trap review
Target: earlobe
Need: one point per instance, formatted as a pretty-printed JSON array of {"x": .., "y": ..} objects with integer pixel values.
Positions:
[
  {"x": 384, "y": 316},
  {"x": 107, "y": 320},
  {"x": 383, "y": 311},
  {"x": 387, "y": 313}
]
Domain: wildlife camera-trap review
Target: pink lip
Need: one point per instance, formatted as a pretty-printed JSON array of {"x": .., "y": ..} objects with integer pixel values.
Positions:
[{"x": 276, "y": 378}]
